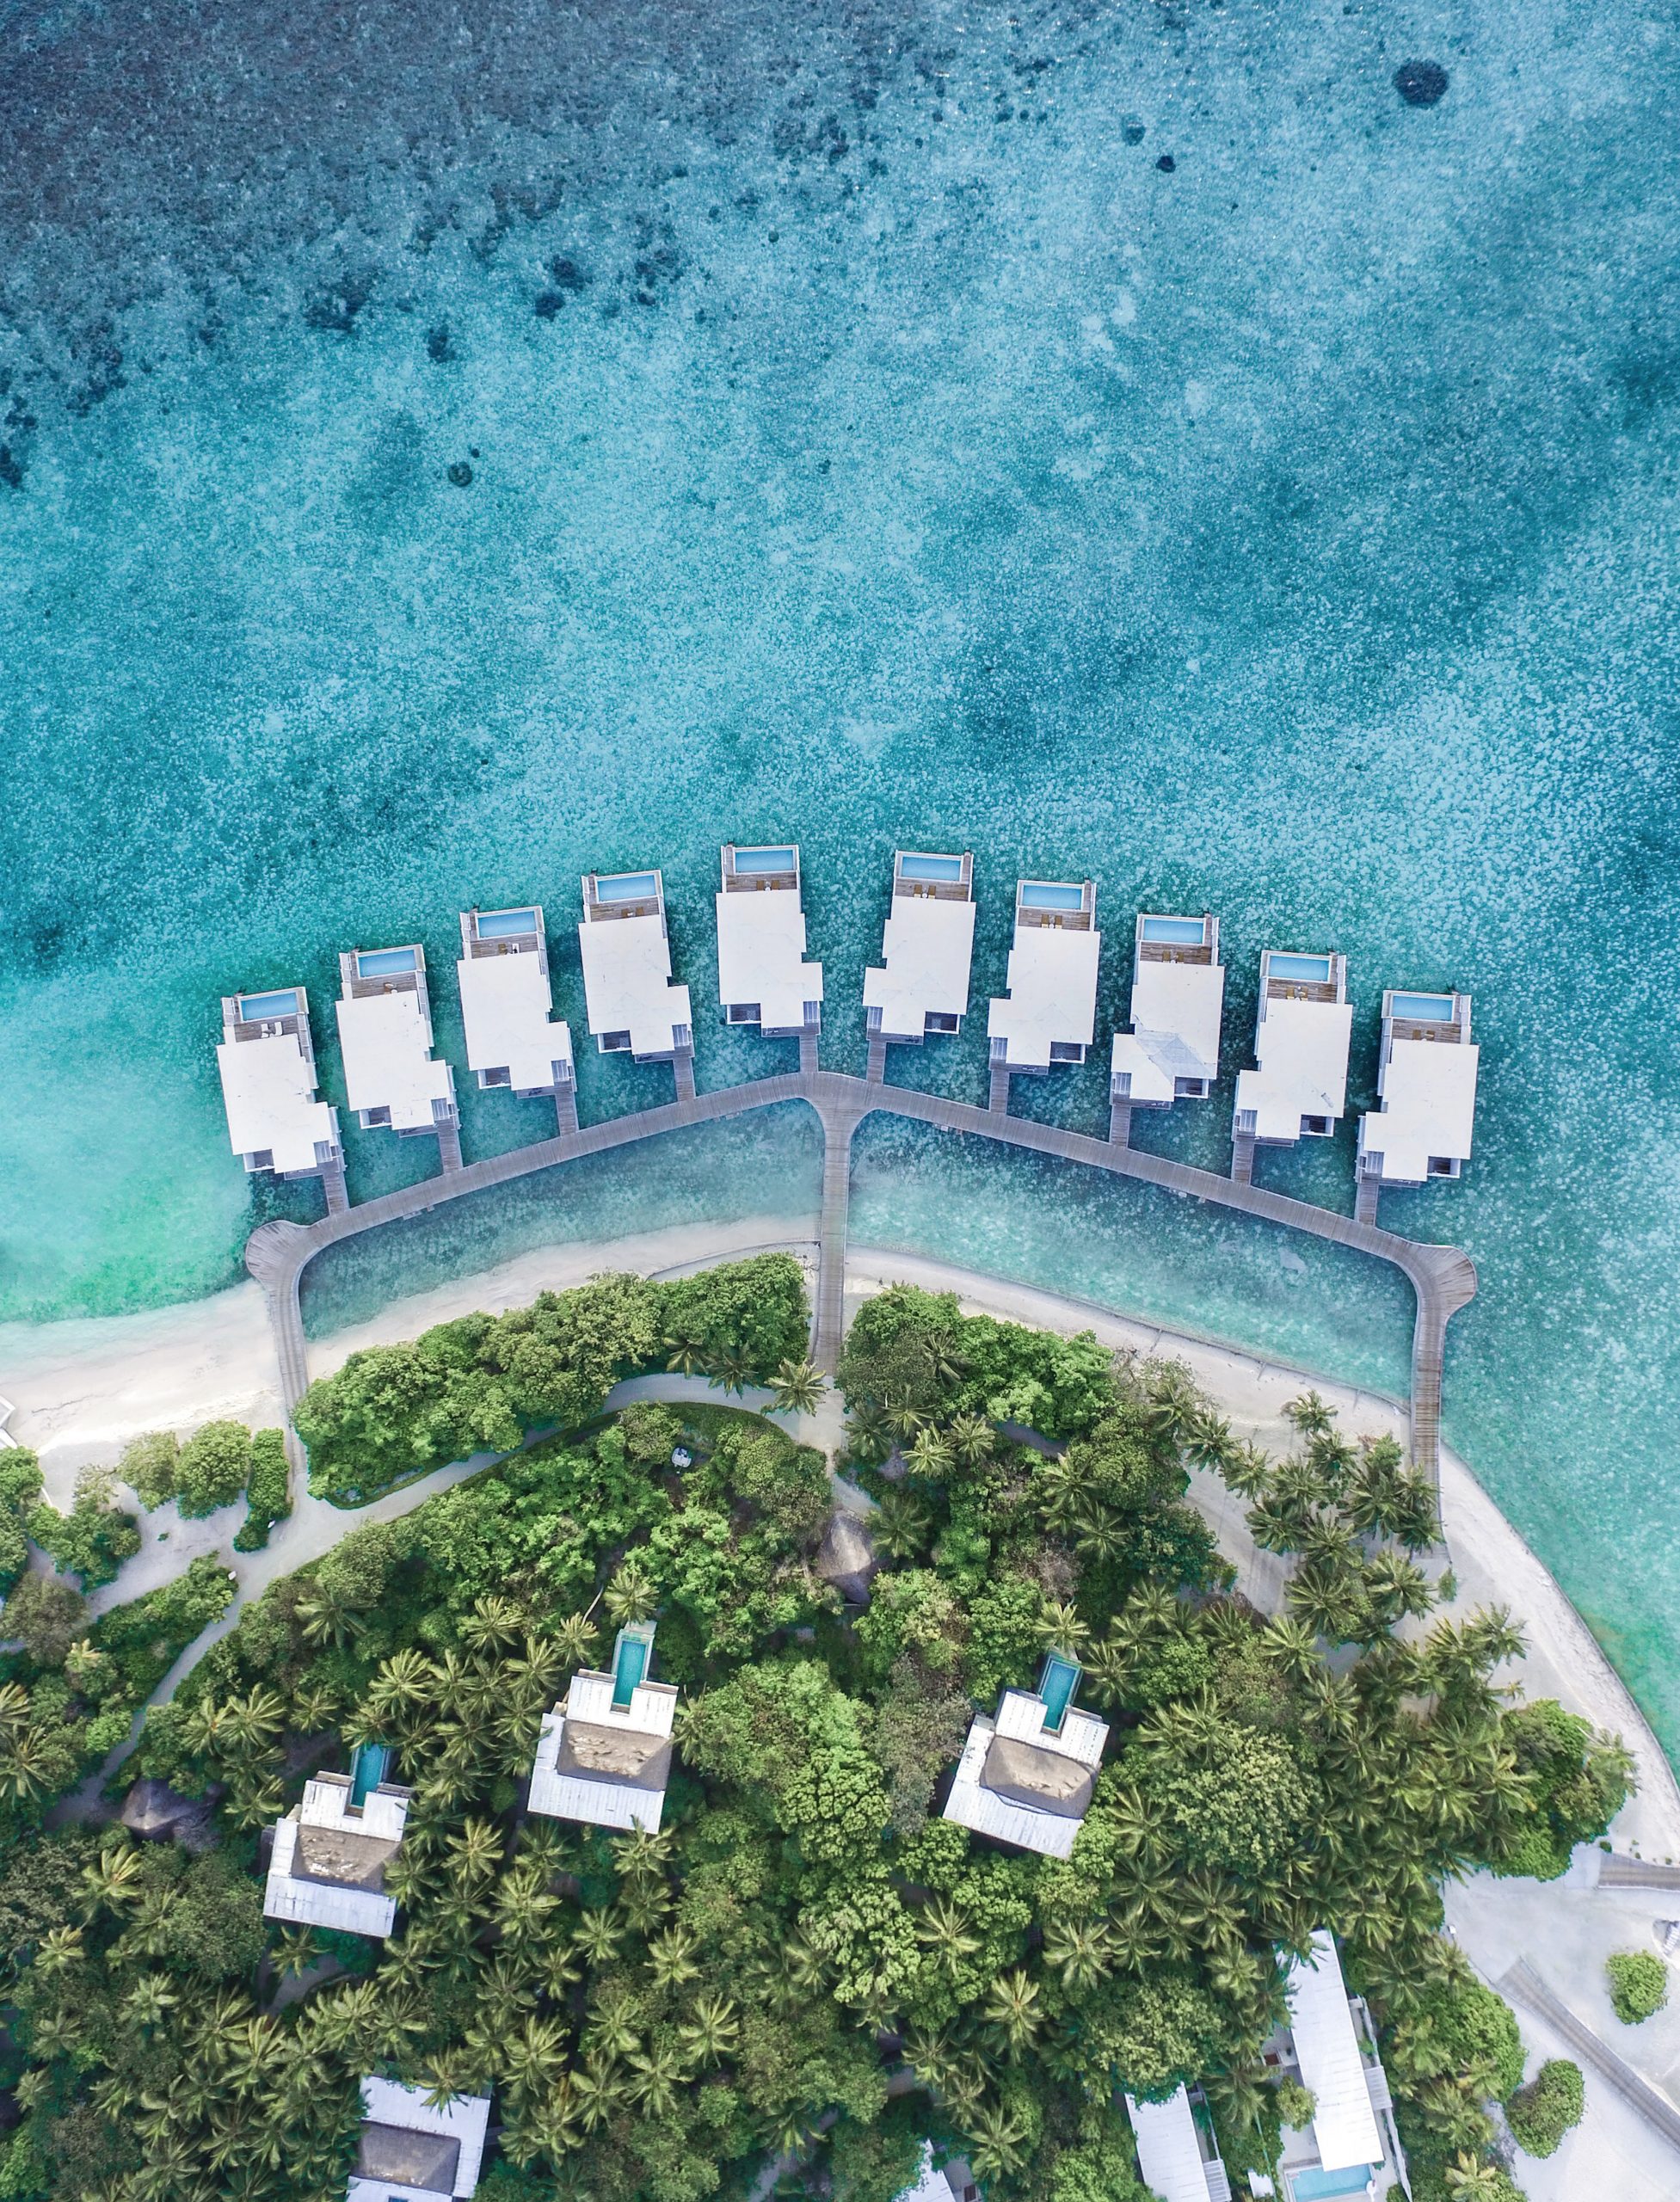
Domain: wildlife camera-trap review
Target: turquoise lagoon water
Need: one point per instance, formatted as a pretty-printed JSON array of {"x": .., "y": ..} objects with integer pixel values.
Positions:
[{"x": 448, "y": 452}]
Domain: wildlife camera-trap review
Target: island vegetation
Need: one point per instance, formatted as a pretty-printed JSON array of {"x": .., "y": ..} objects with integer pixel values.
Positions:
[{"x": 807, "y": 1970}]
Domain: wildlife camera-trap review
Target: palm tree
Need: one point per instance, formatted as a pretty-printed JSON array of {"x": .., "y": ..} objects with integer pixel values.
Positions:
[
  {"x": 1099, "y": 1533},
  {"x": 523, "y": 1904},
  {"x": 476, "y": 1849},
  {"x": 598, "y": 1934},
  {"x": 533, "y": 2057},
  {"x": 575, "y": 1638},
  {"x": 1247, "y": 1470},
  {"x": 972, "y": 1439},
  {"x": 943, "y": 1929},
  {"x": 659, "y": 2073},
  {"x": 731, "y": 1369},
  {"x": 643, "y": 1854},
  {"x": 1320, "y": 1597},
  {"x": 1080, "y": 1950},
  {"x": 1013, "y": 2013},
  {"x": 671, "y": 1957},
  {"x": 597, "y": 2091},
  {"x": 1292, "y": 1644},
  {"x": 902, "y": 1525},
  {"x": 713, "y": 2031},
  {"x": 1310, "y": 1416},
  {"x": 631, "y": 1596},
  {"x": 998, "y": 2135},
  {"x": 868, "y": 1431},
  {"x": 687, "y": 1354},
  {"x": 331, "y": 1615},
  {"x": 495, "y": 1624},
  {"x": 930, "y": 1456},
  {"x": 1476, "y": 2182},
  {"x": 1061, "y": 1629},
  {"x": 1109, "y": 1666},
  {"x": 113, "y": 1883},
  {"x": 798, "y": 1387}
]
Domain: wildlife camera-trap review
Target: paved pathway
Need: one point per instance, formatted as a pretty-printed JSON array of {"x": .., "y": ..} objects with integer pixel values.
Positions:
[{"x": 1522, "y": 1984}]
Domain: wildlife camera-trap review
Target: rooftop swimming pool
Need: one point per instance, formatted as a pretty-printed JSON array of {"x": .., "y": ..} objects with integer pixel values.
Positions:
[
  {"x": 1056, "y": 1685},
  {"x": 1048, "y": 895},
  {"x": 630, "y": 1663},
  {"x": 1315, "y": 970},
  {"x": 505, "y": 925},
  {"x": 914, "y": 866},
  {"x": 1425, "y": 1009},
  {"x": 368, "y": 1766},
  {"x": 750, "y": 862},
  {"x": 1315, "y": 2185},
  {"x": 627, "y": 887},
  {"x": 385, "y": 962},
  {"x": 1183, "y": 932},
  {"x": 257, "y": 1009}
]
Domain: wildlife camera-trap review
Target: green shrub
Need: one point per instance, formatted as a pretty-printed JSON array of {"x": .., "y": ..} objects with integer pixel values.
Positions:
[
  {"x": 19, "y": 1488},
  {"x": 214, "y": 1467},
  {"x": 1580, "y": 1779},
  {"x": 269, "y": 1491},
  {"x": 48, "y": 1615},
  {"x": 1542, "y": 2113},
  {"x": 1638, "y": 1985},
  {"x": 145, "y": 1636},
  {"x": 148, "y": 1466},
  {"x": 94, "y": 1538}
]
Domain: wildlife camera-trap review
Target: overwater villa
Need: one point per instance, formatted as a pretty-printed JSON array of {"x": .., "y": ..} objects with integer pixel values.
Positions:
[
  {"x": 920, "y": 987},
  {"x": 1027, "y": 1777},
  {"x": 1426, "y": 1078},
  {"x": 330, "y": 1852},
  {"x": 410, "y": 2150},
  {"x": 267, "y": 1061},
  {"x": 1177, "y": 2153},
  {"x": 1298, "y": 1088},
  {"x": 604, "y": 1756},
  {"x": 1351, "y": 2148},
  {"x": 513, "y": 1039},
  {"x": 1048, "y": 1015},
  {"x": 1171, "y": 1052},
  {"x": 633, "y": 1006},
  {"x": 762, "y": 976},
  {"x": 391, "y": 1079}
]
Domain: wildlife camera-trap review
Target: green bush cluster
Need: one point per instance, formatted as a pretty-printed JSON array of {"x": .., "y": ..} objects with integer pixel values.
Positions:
[
  {"x": 213, "y": 1468},
  {"x": 20, "y": 1492},
  {"x": 1543, "y": 2111},
  {"x": 1581, "y": 1781},
  {"x": 148, "y": 1466},
  {"x": 1638, "y": 1985},
  {"x": 94, "y": 1538},
  {"x": 269, "y": 1491},
  {"x": 480, "y": 1383}
]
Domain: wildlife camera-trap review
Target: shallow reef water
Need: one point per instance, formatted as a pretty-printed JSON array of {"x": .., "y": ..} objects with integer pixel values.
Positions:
[{"x": 1226, "y": 450}]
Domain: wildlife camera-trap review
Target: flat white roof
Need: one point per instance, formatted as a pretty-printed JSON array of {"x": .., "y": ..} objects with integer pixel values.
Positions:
[
  {"x": 1327, "y": 2051},
  {"x": 1300, "y": 1049},
  {"x": 268, "y": 1092},
  {"x": 1169, "y": 2156},
  {"x": 386, "y": 1042},
  {"x": 1176, "y": 1012},
  {"x": 760, "y": 945},
  {"x": 1052, "y": 994},
  {"x": 927, "y": 948},
  {"x": 465, "y": 2120},
  {"x": 931, "y": 2186},
  {"x": 597, "y": 1800},
  {"x": 627, "y": 983},
  {"x": 506, "y": 1007},
  {"x": 1021, "y": 1718},
  {"x": 1428, "y": 1108}
]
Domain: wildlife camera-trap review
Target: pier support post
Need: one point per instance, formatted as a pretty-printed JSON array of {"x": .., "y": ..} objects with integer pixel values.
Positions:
[
  {"x": 1119, "y": 1123},
  {"x": 449, "y": 1142},
  {"x": 565, "y": 1108},
  {"x": 1365, "y": 1191},
  {"x": 1242, "y": 1158},
  {"x": 838, "y": 1126},
  {"x": 877, "y": 1071},
  {"x": 682, "y": 1065},
  {"x": 997, "y": 1099}
]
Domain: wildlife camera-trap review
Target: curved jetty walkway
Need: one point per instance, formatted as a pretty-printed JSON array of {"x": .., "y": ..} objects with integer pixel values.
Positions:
[{"x": 1443, "y": 1278}]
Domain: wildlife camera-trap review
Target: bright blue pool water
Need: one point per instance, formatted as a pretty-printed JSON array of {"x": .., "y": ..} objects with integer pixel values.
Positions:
[
  {"x": 255, "y": 1009},
  {"x": 1041, "y": 895},
  {"x": 384, "y": 962},
  {"x": 627, "y": 887},
  {"x": 630, "y": 1664},
  {"x": 750, "y": 862},
  {"x": 505, "y": 925},
  {"x": 1425, "y": 1008},
  {"x": 1315, "y": 969},
  {"x": 1056, "y": 1685},
  {"x": 368, "y": 1766},
  {"x": 1323, "y": 2185},
  {"x": 1183, "y": 932},
  {"x": 948, "y": 870}
]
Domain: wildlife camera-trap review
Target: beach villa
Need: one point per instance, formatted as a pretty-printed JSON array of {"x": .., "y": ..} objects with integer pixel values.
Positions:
[
  {"x": 1302, "y": 1028},
  {"x": 330, "y": 1852},
  {"x": 410, "y": 2150},
  {"x": 633, "y": 1007},
  {"x": 920, "y": 986},
  {"x": 1171, "y": 1052},
  {"x": 513, "y": 1039},
  {"x": 1351, "y": 2148},
  {"x": 1177, "y": 2153},
  {"x": 952, "y": 2181},
  {"x": 267, "y": 1062},
  {"x": 604, "y": 1756},
  {"x": 762, "y": 976},
  {"x": 391, "y": 1079},
  {"x": 1048, "y": 1016},
  {"x": 1427, "y": 1080},
  {"x": 1026, "y": 1778}
]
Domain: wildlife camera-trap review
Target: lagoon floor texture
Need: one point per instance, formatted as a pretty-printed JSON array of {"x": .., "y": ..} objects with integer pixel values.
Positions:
[{"x": 447, "y": 450}]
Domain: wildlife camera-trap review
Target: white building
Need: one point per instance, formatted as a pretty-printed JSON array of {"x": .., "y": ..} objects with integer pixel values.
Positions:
[
  {"x": 1177, "y": 2153},
  {"x": 1329, "y": 2046},
  {"x": 762, "y": 976},
  {"x": 953, "y": 2182},
  {"x": 604, "y": 1756},
  {"x": 1027, "y": 1777},
  {"x": 633, "y": 1007},
  {"x": 330, "y": 1852},
  {"x": 514, "y": 1039},
  {"x": 266, "y": 1061},
  {"x": 1299, "y": 1086},
  {"x": 1050, "y": 1013},
  {"x": 1171, "y": 1052},
  {"x": 384, "y": 1034},
  {"x": 410, "y": 2151},
  {"x": 1426, "y": 1077},
  {"x": 921, "y": 985}
]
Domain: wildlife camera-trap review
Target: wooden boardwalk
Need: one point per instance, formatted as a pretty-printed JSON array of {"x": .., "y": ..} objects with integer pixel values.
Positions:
[{"x": 1443, "y": 1278}]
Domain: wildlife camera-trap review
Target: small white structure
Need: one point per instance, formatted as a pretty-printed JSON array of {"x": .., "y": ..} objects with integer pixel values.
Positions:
[
  {"x": 1330, "y": 2047},
  {"x": 1301, "y": 1032},
  {"x": 762, "y": 976},
  {"x": 1426, "y": 1077},
  {"x": 410, "y": 2151},
  {"x": 1177, "y": 2153},
  {"x": 953, "y": 2182},
  {"x": 513, "y": 1038},
  {"x": 1027, "y": 1777},
  {"x": 604, "y": 1755},
  {"x": 331, "y": 1851},
  {"x": 921, "y": 985},
  {"x": 385, "y": 1033},
  {"x": 1049, "y": 1013},
  {"x": 266, "y": 1061},
  {"x": 633, "y": 1007},
  {"x": 1171, "y": 1052}
]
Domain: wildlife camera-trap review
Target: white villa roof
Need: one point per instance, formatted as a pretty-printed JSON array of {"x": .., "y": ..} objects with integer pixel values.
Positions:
[
  {"x": 597, "y": 1800},
  {"x": 1021, "y": 1719},
  {"x": 1429, "y": 1107},
  {"x": 1301, "y": 1047},
  {"x": 931, "y": 2184},
  {"x": 760, "y": 942},
  {"x": 506, "y": 1006},
  {"x": 1176, "y": 1010},
  {"x": 1169, "y": 2156},
  {"x": 386, "y": 1041},
  {"x": 927, "y": 948},
  {"x": 268, "y": 1089},
  {"x": 1052, "y": 994},
  {"x": 627, "y": 983},
  {"x": 294, "y": 1893},
  {"x": 1327, "y": 2051},
  {"x": 465, "y": 2121}
]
